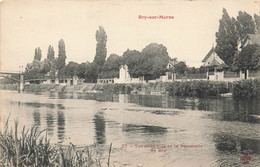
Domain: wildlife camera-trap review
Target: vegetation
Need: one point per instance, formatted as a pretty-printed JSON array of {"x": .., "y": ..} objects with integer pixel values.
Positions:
[
  {"x": 61, "y": 60},
  {"x": 33, "y": 148},
  {"x": 246, "y": 88},
  {"x": 196, "y": 88}
]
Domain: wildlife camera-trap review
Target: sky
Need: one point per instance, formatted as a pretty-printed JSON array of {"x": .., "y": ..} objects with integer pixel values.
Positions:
[{"x": 28, "y": 24}]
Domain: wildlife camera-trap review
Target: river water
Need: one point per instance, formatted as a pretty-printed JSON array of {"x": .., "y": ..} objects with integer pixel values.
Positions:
[{"x": 146, "y": 130}]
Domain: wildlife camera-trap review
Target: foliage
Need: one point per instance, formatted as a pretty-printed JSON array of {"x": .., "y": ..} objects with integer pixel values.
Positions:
[
  {"x": 132, "y": 59},
  {"x": 180, "y": 68},
  {"x": 153, "y": 61},
  {"x": 246, "y": 88},
  {"x": 245, "y": 25},
  {"x": 202, "y": 69},
  {"x": 226, "y": 38},
  {"x": 101, "y": 50},
  {"x": 248, "y": 58},
  {"x": 61, "y": 60},
  {"x": 68, "y": 70},
  {"x": 51, "y": 53},
  {"x": 111, "y": 67},
  {"x": 257, "y": 22},
  {"x": 196, "y": 88},
  {"x": 118, "y": 88},
  {"x": 38, "y": 54},
  {"x": 35, "y": 70},
  {"x": 81, "y": 70},
  {"x": 31, "y": 148},
  {"x": 91, "y": 72}
]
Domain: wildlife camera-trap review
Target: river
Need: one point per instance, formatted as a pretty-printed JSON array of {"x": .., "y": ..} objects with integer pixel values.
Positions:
[{"x": 145, "y": 130}]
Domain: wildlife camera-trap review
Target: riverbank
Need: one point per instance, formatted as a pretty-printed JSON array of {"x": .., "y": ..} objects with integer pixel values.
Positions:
[{"x": 243, "y": 88}]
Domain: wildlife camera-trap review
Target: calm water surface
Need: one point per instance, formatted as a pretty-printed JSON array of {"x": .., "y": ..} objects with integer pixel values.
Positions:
[{"x": 224, "y": 128}]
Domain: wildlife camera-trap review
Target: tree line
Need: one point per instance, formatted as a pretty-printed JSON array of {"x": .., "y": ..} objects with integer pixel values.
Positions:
[
  {"x": 151, "y": 61},
  {"x": 231, "y": 34}
]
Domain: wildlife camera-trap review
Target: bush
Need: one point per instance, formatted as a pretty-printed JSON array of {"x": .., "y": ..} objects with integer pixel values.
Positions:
[
  {"x": 246, "y": 88},
  {"x": 196, "y": 88}
]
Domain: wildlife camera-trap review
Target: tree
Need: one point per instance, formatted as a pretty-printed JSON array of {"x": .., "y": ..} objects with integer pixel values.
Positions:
[
  {"x": 91, "y": 72},
  {"x": 81, "y": 70},
  {"x": 248, "y": 58},
  {"x": 257, "y": 22},
  {"x": 69, "y": 70},
  {"x": 101, "y": 50},
  {"x": 35, "y": 70},
  {"x": 180, "y": 68},
  {"x": 111, "y": 67},
  {"x": 245, "y": 25},
  {"x": 132, "y": 59},
  {"x": 226, "y": 38},
  {"x": 38, "y": 54},
  {"x": 61, "y": 60},
  {"x": 50, "y": 54},
  {"x": 202, "y": 70},
  {"x": 153, "y": 62}
]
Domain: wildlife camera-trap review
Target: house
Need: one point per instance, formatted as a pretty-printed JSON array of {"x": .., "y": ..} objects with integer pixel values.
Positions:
[
  {"x": 212, "y": 55},
  {"x": 250, "y": 39},
  {"x": 215, "y": 66}
]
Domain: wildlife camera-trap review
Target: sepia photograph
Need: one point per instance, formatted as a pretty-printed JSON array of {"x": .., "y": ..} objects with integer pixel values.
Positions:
[{"x": 135, "y": 83}]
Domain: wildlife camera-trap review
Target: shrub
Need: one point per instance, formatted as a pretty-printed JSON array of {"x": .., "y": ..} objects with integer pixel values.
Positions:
[
  {"x": 196, "y": 88},
  {"x": 246, "y": 88}
]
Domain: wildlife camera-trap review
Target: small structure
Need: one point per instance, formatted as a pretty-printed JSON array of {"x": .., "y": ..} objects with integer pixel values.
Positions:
[
  {"x": 215, "y": 66},
  {"x": 215, "y": 70},
  {"x": 124, "y": 76},
  {"x": 212, "y": 55}
]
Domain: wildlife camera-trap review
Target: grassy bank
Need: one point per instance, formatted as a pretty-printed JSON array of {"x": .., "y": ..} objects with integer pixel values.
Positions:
[{"x": 33, "y": 148}]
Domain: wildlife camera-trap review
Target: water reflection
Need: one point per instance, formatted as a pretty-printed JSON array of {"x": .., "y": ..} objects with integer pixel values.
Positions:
[
  {"x": 61, "y": 126},
  {"x": 144, "y": 129},
  {"x": 226, "y": 142},
  {"x": 50, "y": 123},
  {"x": 100, "y": 128},
  {"x": 37, "y": 118}
]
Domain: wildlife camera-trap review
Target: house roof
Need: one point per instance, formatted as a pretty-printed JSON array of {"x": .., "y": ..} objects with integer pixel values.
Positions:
[
  {"x": 217, "y": 64},
  {"x": 172, "y": 62},
  {"x": 222, "y": 66},
  {"x": 208, "y": 55},
  {"x": 214, "y": 63},
  {"x": 255, "y": 38}
]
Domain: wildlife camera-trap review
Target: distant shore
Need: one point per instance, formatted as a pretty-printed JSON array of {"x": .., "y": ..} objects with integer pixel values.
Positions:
[{"x": 245, "y": 88}]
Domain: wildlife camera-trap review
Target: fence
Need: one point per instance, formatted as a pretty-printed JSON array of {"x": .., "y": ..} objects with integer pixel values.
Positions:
[{"x": 254, "y": 74}]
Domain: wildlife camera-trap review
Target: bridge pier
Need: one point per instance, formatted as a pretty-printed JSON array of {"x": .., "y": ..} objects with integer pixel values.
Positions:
[{"x": 21, "y": 84}]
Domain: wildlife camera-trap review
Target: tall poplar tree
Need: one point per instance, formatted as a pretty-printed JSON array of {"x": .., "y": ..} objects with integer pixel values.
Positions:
[
  {"x": 61, "y": 55},
  {"x": 38, "y": 54},
  {"x": 226, "y": 38},
  {"x": 245, "y": 25},
  {"x": 101, "y": 49},
  {"x": 50, "y": 54}
]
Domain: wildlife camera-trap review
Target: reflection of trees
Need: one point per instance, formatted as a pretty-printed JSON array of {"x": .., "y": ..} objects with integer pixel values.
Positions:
[
  {"x": 61, "y": 126},
  {"x": 37, "y": 118},
  {"x": 145, "y": 129},
  {"x": 226, "y": 142},
  {"x": 50, "y": 123},
  {"x": 100, "y": 128}
]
